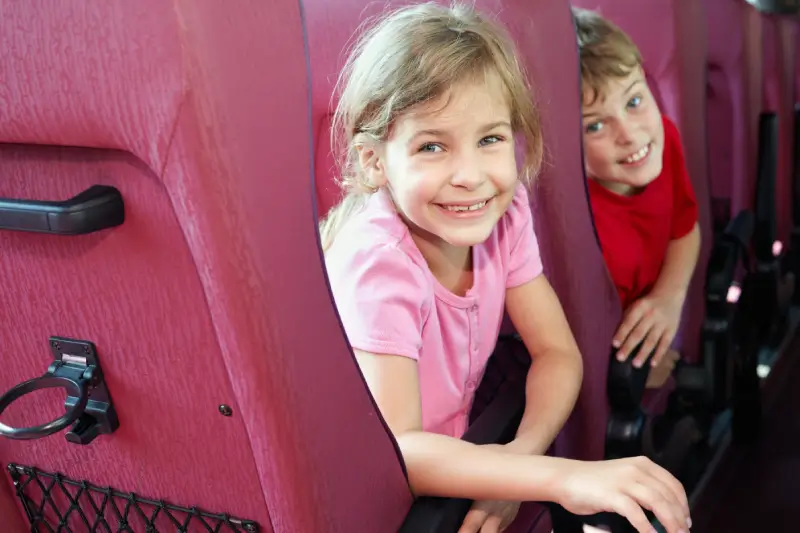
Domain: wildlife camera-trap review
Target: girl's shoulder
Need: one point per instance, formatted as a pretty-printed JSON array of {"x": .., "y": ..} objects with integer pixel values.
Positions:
[{"x": 376, "y": 243}]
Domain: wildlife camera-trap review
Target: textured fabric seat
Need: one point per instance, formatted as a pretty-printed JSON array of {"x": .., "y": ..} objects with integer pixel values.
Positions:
[{"x": 197, "y": 112}]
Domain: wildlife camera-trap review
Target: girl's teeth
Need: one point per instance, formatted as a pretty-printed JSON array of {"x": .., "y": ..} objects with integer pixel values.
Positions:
[{"x": 472, "y": 207}]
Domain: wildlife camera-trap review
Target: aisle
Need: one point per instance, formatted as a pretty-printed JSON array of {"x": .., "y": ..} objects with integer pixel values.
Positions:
[{"x": 762, "y": 492}]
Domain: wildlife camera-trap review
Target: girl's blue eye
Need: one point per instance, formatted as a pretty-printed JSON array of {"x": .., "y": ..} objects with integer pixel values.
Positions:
[
  {"x": 634, "y": 102},
  {"x": 429, "y": 148},
  {"x": 491, "y": 139}
]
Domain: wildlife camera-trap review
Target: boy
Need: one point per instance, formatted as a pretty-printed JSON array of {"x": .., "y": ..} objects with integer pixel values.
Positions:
[{"x": 644, "y": 207}]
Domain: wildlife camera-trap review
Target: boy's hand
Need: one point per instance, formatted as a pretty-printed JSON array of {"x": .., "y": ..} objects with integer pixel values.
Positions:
[
  {"x": 661, "y": 373},
  {"x": 653, "y": 319},
  {"x": 489, "y": 516}
]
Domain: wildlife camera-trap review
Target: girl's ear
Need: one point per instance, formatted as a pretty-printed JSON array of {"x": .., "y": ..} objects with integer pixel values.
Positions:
[{"x": 370, "y": 159}]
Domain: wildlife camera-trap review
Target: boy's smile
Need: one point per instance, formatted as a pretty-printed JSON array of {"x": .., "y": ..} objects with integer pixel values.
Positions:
[{"x": 623, "y": 135}]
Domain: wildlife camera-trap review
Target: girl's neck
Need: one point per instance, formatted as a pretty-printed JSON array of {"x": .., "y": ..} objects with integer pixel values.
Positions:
[{"x": 450, "y": 265}]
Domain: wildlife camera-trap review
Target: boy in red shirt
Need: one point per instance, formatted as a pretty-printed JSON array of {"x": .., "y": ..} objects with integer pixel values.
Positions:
[{"x": 644, "y": 207}]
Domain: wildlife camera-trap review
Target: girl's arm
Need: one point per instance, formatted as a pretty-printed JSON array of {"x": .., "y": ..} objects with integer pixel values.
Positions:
[
  {"x": 439, "y": 465},
  {"x": 556, "y": 372}
]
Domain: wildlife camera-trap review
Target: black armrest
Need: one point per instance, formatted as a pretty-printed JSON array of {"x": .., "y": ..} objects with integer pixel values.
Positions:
[
  {"x": 766, "y": 224},
  {"x": 776, "y": 7},
  {"x": 796, "y": 169},
  {"x": 625, "y": 390},
  {"x": 625, "y": 386},
  {"x": 497, "y": 423},
  {"x": 728, "y": 250}
]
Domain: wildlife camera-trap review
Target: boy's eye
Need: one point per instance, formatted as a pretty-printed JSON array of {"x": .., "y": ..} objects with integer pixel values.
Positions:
[
  {"x": 594, "y": 127},
  {"x": 430, "y": 148},
  {"x": 491, "y": 139},
  {"x": 634, "y": 102}
]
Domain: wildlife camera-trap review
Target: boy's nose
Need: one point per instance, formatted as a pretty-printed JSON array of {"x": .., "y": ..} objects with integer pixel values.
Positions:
[{"x": 625, "y": 135}]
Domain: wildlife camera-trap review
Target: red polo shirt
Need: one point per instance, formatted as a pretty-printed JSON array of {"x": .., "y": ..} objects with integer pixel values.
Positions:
[{"x": 635, "y": 231}]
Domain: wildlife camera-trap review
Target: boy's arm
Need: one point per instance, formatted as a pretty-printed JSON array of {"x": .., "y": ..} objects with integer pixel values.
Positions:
[
  {"x": 556, "y": 372},
  {"x": 679, "y": 265},
  {"x": 655, "y": 318}
]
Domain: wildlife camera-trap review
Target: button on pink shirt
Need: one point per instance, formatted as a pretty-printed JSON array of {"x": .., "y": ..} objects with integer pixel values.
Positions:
[{"x": 390, "y": 302}]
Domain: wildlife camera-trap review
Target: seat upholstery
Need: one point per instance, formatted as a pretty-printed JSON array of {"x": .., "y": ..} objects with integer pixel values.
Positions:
[
  {"x": 198, "y": 113},
  {"x": 733, "y": 103}
]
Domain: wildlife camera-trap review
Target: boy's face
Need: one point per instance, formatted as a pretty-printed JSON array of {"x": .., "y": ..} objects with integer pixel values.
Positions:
[{"x": 623, "y": 135}]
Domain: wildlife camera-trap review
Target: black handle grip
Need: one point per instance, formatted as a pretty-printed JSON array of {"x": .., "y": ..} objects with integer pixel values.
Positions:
[{"x": 97, "y": 208}]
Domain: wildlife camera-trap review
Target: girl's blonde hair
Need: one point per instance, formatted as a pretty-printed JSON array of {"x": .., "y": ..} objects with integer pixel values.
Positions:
[{"x": 411, "y": 56}]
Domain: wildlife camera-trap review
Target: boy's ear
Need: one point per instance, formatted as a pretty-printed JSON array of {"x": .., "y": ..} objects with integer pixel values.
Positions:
[{"x": 370, "y": 158}]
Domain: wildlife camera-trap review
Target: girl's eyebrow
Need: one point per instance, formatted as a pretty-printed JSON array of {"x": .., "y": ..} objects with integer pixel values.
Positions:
[{"x": 435, "y": 133}]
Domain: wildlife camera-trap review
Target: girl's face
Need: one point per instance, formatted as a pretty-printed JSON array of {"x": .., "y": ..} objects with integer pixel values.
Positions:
[{"x": 449, "y": 164}]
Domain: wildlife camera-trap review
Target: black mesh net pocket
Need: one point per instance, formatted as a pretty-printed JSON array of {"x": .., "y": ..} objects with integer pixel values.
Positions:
[{"x": 54, "y": 503}]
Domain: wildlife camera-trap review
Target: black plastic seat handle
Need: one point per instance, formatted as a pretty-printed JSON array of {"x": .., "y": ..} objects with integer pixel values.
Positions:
[
  {"x": 75, "y": 388},
  {"x": 97, "y": 208}
]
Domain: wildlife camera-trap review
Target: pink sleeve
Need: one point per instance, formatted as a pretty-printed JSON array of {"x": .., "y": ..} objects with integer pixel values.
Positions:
[
  {"x": 524, "y": 261},
  {"x": 382, "y": 300}
]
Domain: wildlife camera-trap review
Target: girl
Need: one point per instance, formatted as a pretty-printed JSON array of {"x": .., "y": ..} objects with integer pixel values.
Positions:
[{"x": 432, "y": 241}]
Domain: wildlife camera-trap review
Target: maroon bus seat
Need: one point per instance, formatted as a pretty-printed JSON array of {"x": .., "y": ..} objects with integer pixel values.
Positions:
[
  {"x": 234, "y": 388},
  {"x": 733, "y": 106}
]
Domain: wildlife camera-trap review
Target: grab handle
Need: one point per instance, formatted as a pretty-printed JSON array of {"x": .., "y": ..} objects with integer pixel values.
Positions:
[{"x": 97, "y": 208}]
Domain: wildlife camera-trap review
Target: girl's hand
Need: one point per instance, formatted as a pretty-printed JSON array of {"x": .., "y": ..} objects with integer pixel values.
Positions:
[
  {"x": 626, "y": 487},
  {"x": 489, "y": 516}
]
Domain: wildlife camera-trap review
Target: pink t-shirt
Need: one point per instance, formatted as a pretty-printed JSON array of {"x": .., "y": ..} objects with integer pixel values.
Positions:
[{"x": 390, "y": 302}]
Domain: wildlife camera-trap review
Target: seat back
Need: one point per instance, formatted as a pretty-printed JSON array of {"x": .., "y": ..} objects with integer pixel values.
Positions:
[
  {"x": 734, "y": 88},
  {"x": 200, "y": 303},
  {"x": 671, "y": 37},
  {"x": 779, "y": 51}
]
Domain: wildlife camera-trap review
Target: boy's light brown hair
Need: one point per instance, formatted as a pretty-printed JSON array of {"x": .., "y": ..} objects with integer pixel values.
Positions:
[{"x": 606, "y": 52}]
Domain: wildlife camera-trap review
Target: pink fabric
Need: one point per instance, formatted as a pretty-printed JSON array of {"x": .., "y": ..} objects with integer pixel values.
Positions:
[
  {"x": 198, "y": 112},
  {"x": 390, "y": 302},
  {"x": 671, "y": 37}
]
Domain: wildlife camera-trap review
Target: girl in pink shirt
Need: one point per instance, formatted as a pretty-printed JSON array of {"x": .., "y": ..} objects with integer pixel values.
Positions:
[{"x": 432, "y": 242}]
